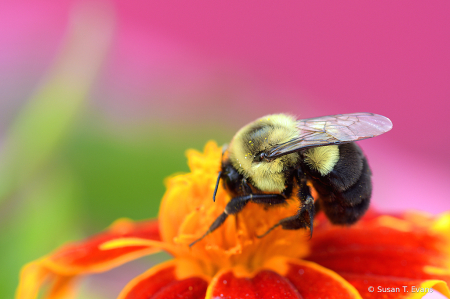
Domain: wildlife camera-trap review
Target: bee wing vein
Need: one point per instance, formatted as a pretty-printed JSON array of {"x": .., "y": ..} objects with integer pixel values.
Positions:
[{"x": 333, "y": 129}]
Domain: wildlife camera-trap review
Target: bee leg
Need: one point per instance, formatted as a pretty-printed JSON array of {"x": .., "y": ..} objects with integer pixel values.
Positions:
[
  {"x": 234, "y": 206},
  {"x": 269, "y": 199},
  {"x": 305, "y": 216},
  {"x": 245, "y": 188},
  {"x": 237, "y": 204},
  {"x": 308, "y": 205},
  {"x": 218, "y": 222},
  {"x": 303, "y": 219}
]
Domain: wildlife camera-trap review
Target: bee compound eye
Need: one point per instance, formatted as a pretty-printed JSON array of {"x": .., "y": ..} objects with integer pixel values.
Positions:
[{"x": 259, "y": 157}]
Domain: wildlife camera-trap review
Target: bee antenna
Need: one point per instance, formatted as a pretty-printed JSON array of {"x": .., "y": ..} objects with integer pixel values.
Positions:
[{"x": 217, "y": 185}]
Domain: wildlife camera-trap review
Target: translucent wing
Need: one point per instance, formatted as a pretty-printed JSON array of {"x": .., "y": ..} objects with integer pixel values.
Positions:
[{"x": 333, "y": 129}]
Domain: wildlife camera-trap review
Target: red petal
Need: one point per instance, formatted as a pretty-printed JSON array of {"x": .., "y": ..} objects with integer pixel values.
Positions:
[
  {"x": 390, "y": 287},
  {"x": 162, "y": 282},
  {"x": 86, "y": 256},
  {"x": 265, "y": 284},
  {"x": 385, "y": 252},
  {"x": 282, "y": 278},
  {"x": 314, "y": 281},
  {"x": 376, "y": 249}
]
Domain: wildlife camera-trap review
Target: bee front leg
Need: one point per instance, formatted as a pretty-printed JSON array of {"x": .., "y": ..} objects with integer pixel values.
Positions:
[
  {"x": 245, "y": 187},
  {"x": 237, "y": 204},
  {"x": 234, "y": 206}
]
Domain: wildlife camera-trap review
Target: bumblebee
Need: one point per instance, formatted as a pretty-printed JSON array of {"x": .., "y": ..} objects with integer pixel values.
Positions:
[{"x": 267, "y": 158}]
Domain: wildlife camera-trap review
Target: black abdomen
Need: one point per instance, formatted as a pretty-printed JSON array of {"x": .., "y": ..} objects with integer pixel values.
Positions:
[{"x": 344, "y": 193}]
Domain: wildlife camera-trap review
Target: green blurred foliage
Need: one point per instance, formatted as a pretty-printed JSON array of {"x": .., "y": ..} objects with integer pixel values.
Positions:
[
  {"x": 93, "y": 177},
  {"x": 123, "y": 176},
  {"x": 66, "y": 172},
  {"x": 41, "y": 216}
]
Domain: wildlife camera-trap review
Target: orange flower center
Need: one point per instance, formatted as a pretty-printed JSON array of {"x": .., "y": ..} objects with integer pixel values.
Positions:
[{"x": 187, "y": 210}]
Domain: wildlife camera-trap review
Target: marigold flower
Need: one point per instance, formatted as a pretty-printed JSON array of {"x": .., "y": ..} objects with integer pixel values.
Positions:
[{"x": 381, "y": 256}]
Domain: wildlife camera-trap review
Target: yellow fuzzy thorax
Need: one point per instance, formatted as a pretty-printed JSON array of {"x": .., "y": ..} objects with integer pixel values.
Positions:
[{"x": 256, "y": 137}]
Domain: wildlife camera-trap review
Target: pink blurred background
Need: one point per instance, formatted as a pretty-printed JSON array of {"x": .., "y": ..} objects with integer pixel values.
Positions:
[
  {"x": 227, "y": 63},
  {"x": 230, "y": 62},
  {"x": 211, "y": 64}
]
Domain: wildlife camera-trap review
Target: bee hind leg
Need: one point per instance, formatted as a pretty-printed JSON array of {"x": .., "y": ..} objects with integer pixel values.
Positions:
[
  {"x": 303, "y": 219},
  {"x": 305, "y": 216}
]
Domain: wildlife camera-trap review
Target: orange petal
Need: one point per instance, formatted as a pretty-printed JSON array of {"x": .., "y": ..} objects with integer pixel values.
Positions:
[
  {"x": 85, "y": 257},
  {"x": 165, "y": 282},
  {"x": 386, "y": 252},
  {"x": 34, "y": 275},
  {"x": 186, "y": 193},
  {"x": 62, "y": 288}
]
